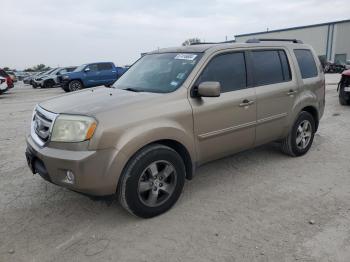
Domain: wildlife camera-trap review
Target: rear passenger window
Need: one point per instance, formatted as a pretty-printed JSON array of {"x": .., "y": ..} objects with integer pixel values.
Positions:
[
  {"x": 285, "y": 65},
  {"x": 306, "y": 63},
  {"x": 104, "y": 66},
  {"x": 228, "y": 69},
  {"x": 270, "y": 67}
]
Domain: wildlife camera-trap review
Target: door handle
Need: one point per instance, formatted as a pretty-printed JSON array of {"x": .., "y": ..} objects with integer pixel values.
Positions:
[
  {"x": 292, "y": 92},
  {"x": 246, "y": 102}
]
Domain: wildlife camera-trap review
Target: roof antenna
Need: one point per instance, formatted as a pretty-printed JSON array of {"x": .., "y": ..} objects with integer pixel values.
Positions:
[{"x": 267, "y": 29}]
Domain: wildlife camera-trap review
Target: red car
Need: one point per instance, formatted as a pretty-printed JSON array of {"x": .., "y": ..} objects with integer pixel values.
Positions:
[{"x": 8, "y": 78}]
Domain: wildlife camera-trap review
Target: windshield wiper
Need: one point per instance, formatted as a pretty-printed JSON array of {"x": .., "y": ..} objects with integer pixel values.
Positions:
[{"x": 131, "y": 89}]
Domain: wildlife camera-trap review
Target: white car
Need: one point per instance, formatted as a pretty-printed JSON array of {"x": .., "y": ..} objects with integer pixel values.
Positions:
[{"x": 3, "y": 85}]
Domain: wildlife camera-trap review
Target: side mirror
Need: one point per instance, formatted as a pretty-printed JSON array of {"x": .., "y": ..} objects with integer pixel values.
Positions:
[
  {"x": 86, "y": 69},
  {"x": 209, "y": 89}
]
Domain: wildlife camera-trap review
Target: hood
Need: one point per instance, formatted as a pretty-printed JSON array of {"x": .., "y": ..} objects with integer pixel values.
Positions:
[
  {"x": 96, "y": 100},
  {"x": 72, "y": 74}
]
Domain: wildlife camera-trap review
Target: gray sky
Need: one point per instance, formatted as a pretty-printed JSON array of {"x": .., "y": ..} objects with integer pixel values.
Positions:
[{"x": 66, "y": 32}]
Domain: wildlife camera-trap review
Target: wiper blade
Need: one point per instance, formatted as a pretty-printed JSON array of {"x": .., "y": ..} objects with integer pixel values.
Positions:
[{"x": 131, "y": 89}]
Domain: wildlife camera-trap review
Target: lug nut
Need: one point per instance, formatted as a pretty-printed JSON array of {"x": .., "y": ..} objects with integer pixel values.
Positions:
[
  {"x": 155, "y": 189},
  {"x": 160, "y": 178},
  {"x": 160, "y": 184}
]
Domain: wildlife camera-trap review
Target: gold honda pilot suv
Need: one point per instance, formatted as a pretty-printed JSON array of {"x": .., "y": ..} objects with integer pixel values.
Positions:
[{"x": 174, "y": 110}]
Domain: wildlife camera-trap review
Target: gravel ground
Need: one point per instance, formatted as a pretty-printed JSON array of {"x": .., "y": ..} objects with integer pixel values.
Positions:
[{"x": 259, "y": 205}]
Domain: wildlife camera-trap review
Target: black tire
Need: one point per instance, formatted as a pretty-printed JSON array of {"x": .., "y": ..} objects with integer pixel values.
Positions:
[
  {"x": 289, "y": 145},
  {"x": 75, "y": 85},
  {"x": 128, "y": 186},
  {"x": 343, "y": 97},
  {"x": 49, "y": 84}
]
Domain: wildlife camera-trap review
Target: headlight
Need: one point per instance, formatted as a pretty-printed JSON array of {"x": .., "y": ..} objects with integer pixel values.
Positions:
[{"x": 73, "y": 128}]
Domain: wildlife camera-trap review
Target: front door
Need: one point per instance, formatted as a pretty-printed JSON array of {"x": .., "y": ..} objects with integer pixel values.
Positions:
[
  {"x": 226, "y": 124},
  {"x": 92, "y": 75}
]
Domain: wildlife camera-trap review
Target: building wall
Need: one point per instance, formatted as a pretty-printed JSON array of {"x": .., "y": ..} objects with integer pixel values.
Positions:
[
  {"x": 330, "y": 40},
  {"x": 342, "y": 39}
]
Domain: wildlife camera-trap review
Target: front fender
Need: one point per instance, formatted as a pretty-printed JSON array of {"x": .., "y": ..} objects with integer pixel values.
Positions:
[
  {"x": 136, "y": 138},
  {"x": 133, "y": 139}
]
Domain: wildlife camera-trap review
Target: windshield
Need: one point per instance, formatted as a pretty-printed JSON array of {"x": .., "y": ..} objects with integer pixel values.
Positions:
[
  {"x": 80, "y": 68},
  {"x": 158, "y": 73},
  {"x": 49, "y": 72}
]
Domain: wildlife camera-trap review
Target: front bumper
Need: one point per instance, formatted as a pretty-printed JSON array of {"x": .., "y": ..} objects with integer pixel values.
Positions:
[{"x": 93, "y": 170}]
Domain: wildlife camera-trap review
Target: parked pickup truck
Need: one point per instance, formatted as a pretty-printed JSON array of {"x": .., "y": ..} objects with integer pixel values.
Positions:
[{"x": 90, "y": 75}]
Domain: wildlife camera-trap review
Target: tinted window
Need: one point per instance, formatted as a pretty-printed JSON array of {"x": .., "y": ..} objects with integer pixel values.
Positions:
[
  {"x": 228, "y": 69},
  {"x": 104, "y": 66},
  {"x": 306, "y": 63},
  {"x": 93, "y": 67},
  {"x": 285, "y": 66},
  {"x": 270, "y": 67},
  {"x": 3, "y": 73}
]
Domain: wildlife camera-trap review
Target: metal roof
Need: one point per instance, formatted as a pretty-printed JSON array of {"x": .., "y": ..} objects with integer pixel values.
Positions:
[{"x": 293, "y": 28}]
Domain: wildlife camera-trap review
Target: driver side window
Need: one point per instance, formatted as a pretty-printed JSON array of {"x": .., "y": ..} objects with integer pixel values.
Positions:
[
  {"x": 93, "y": 67},
  {"x": 228, "y": 69}
]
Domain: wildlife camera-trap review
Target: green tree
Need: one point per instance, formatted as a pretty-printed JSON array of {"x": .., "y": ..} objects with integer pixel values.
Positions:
[
  {"x": 39, "y": 67},
  {"x": 191, "y": 41}
]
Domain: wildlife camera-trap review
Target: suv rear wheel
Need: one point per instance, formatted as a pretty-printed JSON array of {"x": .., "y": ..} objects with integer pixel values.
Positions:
[
  {"x": 300, "y": 138},
  {"x": 152, "y": 181},
  {"x": 343, "y": 97},
  {"x": 75, "y": 85}
]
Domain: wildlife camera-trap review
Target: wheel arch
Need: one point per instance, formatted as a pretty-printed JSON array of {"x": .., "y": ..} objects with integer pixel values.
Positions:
[
  {"x": 76, "y": 79},
  {"x": 314, "y": 112}
]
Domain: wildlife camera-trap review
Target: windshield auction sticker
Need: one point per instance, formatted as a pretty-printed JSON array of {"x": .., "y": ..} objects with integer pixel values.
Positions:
[{"x": 189, "y": 57}]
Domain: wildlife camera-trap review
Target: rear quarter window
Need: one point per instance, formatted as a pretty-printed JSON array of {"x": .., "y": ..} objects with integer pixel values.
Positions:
[{"x": 306, "y": 62}]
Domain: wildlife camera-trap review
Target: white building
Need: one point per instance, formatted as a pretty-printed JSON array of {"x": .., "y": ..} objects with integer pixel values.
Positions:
[{"x": 331, "y": 40}]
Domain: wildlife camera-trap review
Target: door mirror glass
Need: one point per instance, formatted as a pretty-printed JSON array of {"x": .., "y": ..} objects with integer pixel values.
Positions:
[{"x": 209, "y": 89}]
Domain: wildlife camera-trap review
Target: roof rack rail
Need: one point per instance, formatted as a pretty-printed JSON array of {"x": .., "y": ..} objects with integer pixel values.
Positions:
[
  {"x": 214, "y": 43},
  {"x": 258, "y": 40}
]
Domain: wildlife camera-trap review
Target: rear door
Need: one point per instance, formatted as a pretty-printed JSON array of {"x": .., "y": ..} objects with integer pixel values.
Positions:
[
  {"x": 107, "y": 73},
  {"x": 276, "y": 89},
  {"x": 226, "y": 124}
]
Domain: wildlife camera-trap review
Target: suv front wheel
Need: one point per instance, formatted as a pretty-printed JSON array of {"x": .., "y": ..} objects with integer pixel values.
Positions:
[
  {"x": 300, "y": 138},
  {"x": 152, "y": 181},
  {"x": 75, "y": 85}
]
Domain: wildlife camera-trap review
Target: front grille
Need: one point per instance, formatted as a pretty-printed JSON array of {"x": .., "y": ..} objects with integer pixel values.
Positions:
[{"x": 41, "y": 125}]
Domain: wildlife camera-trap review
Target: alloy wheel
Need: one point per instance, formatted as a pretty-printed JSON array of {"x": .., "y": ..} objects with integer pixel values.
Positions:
[
  {"x": 304, "y": 134},
  {"x": 157, "y": 183}
]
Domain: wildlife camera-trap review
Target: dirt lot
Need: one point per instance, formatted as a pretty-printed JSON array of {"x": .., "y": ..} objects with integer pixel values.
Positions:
[{"x": 258, "y": 205}]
